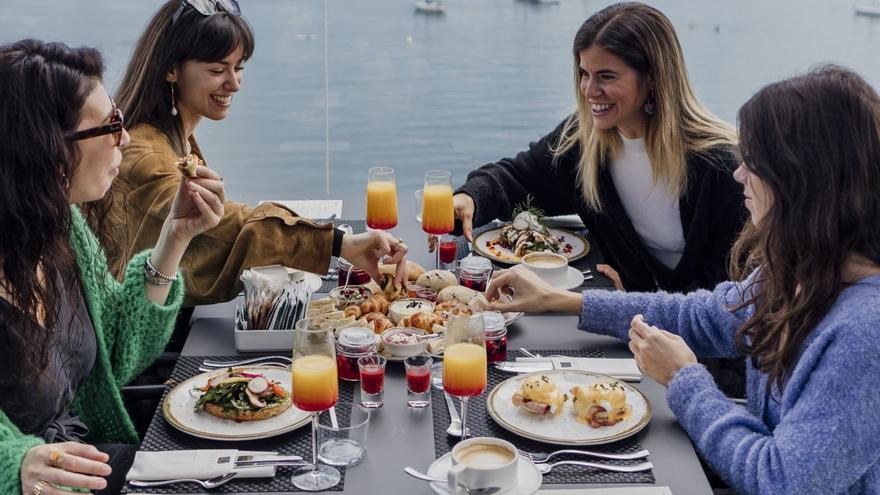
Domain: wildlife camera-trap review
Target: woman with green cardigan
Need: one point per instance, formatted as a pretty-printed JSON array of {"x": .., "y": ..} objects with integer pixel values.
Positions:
[{"x": 70, "y": 334}]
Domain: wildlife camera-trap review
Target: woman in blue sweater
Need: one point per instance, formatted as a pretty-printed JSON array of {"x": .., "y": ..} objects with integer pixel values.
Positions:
[{"x": 806, "y": 317}]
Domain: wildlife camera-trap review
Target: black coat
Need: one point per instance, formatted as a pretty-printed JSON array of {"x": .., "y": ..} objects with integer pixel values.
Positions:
[{"x": 712, "y": 212}]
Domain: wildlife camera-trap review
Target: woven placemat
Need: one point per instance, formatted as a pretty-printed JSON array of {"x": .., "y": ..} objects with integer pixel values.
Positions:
[
  {"x": 594, "y": 257},
  {"x": 481, "y": 424},
  {"x": 357, "y": 227},
  {"x": 161, "y": 436}
]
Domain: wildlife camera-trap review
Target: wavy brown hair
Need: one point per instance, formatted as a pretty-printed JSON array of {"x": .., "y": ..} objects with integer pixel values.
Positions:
[
  {"x": 814, "y": 141},
  {"x": 644, "y": 39},
  {"x": 43, "y": 87}
]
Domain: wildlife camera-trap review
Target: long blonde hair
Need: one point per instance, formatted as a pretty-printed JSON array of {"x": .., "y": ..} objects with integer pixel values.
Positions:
[{"x": 680, "y": 126}]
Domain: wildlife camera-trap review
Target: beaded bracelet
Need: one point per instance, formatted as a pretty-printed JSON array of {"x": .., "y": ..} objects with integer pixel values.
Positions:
[{"x": 154, "y": 276}]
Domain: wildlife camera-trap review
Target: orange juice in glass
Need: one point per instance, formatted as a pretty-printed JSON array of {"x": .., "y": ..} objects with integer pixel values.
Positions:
[
  {"x": 381, "y": 198},
  {"x": 315, "y": 388},
  {"x": 464, "y": 361},
  {"x": 315, "y": 384},
  {"x": 438, "y": 216}
]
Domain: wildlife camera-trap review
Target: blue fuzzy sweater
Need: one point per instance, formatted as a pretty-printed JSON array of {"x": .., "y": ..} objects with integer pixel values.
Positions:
[{"x": 820, "y": 434}]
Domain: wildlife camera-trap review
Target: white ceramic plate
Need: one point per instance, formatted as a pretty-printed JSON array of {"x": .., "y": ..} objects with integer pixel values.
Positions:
[
  {"x": 579, "y": 246},
  {"x": 528, "y": 477},
  {"x": 312, "y": 279},
  {"x": 564, "y": 429},
  {"x": 573, "y": 278},
  {"x": 179, "y": 403}
]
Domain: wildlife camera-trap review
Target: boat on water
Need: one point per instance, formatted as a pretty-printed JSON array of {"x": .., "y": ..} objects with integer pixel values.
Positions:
[
  {"x": 871, "y": 9},
  {"x": 430, "y": 6}
]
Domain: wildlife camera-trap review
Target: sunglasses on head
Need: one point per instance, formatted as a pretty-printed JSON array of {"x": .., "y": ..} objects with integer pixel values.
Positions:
[
  {"x": 208, "y": 7},
  {"x": 115, "y": 127}
]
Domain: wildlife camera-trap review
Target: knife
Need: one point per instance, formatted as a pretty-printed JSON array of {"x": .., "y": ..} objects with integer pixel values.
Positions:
[{"x": 263, "y": 461}]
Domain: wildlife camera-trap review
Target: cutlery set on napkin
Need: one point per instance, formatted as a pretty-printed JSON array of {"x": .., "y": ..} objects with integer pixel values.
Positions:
[
  {"x": 622, "y": 369},
  {"x": 178, "y": 465}
]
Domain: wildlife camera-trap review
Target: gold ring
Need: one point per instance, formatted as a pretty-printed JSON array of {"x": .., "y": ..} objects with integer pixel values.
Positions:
[
  {"x": 38, "y": 487},
  {"x": 56, "y": 459}
]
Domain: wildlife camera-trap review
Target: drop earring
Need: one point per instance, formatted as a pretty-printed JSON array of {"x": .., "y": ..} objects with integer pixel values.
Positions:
[
  {"x": 651, "y": 104},
  {"x": 173, "y": 106}
]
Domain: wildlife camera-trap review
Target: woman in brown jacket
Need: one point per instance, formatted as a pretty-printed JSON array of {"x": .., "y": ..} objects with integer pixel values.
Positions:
[{"x": 187, "y": 65}]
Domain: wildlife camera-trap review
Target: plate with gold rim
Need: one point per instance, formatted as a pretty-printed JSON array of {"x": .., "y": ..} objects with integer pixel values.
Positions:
[
  {"x": 180, "y": 401},
  {"x": 575, "y": 246},
  {"x": 564, "y": 429}
]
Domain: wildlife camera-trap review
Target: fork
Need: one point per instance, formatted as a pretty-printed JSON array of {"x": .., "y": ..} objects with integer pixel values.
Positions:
[
  {"x": 634, "y": 468},
  {"x": 540, "y": 457},
  {"x": 206, "y": 484},
  {"x": 223, "y": 364}
]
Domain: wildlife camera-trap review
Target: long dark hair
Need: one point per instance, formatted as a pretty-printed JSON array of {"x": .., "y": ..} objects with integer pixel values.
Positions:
[
  {"x": 43, "y": 87},
  {"x": 645, "y": 40},
  {"x": 144, "y": 95},
  {"x": 814, "y": 141}
]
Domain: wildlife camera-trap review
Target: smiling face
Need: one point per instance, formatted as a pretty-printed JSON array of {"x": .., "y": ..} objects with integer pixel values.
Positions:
[
  {"x": 205, "y": 89},
  {"x": 99, "y": 156},
  {"x": 757, "y": 194},
  {"x": 615, "y": 92}
]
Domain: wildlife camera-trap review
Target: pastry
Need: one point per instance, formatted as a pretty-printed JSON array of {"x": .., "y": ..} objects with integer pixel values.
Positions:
[
  {"x": 437, "y": 279},
  {"x": 187, "y": 165}
]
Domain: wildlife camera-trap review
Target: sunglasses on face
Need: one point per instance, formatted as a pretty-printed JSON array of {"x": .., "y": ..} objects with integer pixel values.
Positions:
[
  {"x": 115, "y": 127},
  {"x": 208, "y": 7}
]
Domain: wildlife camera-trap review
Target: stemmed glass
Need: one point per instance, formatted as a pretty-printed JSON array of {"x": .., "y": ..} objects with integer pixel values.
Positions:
[
  {"x": 381, "y": 198},
  {"x": 464, "y": 361},
  {"x": 438, "y": 216},
  {"x": 315, "y": 389}
]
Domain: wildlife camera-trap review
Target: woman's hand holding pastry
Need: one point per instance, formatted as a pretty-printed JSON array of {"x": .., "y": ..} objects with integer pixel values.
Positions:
[
  {"x": 531, "y": 294},
  {"x": 464, "y": 210},
  {"x": 658, "y": 353},
  {"x": 367, "y": 250},
  {"x": 69, "y": 464},
  {"x": 198, "y": 205}
]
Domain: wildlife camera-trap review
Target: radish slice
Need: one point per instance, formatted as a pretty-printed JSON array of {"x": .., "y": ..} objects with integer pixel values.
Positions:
[
  {"x": 258, "y": 385},
  {"x": 253, "y": 398},
  {"x": 250, "y": 375}
]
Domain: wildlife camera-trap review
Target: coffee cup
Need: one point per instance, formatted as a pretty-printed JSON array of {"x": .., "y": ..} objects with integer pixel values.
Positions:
[
  {"x": 483, "y": 462},
  {"x": 551, "y": 267}
]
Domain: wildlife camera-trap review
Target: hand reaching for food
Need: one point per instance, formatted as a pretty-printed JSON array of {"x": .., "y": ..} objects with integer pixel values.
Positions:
[{"x": 367, "y": 250}]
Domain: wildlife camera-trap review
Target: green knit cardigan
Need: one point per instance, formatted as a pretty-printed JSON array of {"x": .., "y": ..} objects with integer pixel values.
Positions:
[{"x": 130, "y": 331}]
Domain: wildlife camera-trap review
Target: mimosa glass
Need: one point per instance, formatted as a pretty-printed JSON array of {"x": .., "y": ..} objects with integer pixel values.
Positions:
[
  {"x": 464, "y": 361},
  {"x": 315, "y": 389},
  {"x": 381, "y": 198},
  {"x": 438, "y": 216}
]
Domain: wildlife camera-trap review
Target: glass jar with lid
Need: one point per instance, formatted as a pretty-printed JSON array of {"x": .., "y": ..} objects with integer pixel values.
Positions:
[
  {"x": 347, "y": 274},
  {"x": 496, "y": 336},
  {"x": 351, "y": 344},
  {"x": 474, "y": 272}
]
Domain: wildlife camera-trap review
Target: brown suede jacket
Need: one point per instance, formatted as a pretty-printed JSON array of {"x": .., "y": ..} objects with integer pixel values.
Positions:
[{"x": 246, "y": 237}]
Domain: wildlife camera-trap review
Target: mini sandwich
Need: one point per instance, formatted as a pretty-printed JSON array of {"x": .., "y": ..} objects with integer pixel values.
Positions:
[
  {"x": 187, "y": 164},
  {"x": 242, "y": 396},
  {"x": 539, "y": 395},
  {"x": 601, "y": 404}
]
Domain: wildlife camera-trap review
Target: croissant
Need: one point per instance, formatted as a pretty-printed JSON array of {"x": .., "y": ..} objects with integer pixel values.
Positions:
[
  {"x": 425, "y": 321},
  {"x": 376, "y": 303},
  {"x": 380, "y": 325},
  {"x": 375, "y": 315},
  {"x": 392, "y": 290},
  {"x": 353, "y": 311}
]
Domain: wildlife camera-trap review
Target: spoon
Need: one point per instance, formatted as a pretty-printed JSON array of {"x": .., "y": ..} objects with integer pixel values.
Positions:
[{"x": 470, "y": 491}]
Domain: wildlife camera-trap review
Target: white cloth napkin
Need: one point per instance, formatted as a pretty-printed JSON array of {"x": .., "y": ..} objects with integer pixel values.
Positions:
[
  {"x": 197, "y": 464},
  {"x": 624, "y": 369}
]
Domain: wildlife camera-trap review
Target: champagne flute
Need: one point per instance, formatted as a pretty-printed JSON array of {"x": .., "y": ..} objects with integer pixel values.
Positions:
[
  {"x": 381, "y": 198},
  {"x": 438, "y": 216},
  {"x": 315, "y": 389},
  {"x": 464, "y": 361}
]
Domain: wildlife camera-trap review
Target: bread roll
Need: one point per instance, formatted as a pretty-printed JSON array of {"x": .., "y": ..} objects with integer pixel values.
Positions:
[
  {"x": 437, "y": 279},
  {"x": 413, "y": 270},
  {"x": 456, "y": 293}
]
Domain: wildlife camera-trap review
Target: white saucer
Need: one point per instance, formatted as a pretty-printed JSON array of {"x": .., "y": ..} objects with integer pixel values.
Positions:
[
  {"x": 573, "y": 279},
  {"x": 528, "y": 482}
]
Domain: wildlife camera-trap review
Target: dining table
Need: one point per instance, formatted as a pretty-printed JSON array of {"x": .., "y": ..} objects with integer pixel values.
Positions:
[{"x": 401, "y": 436}]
